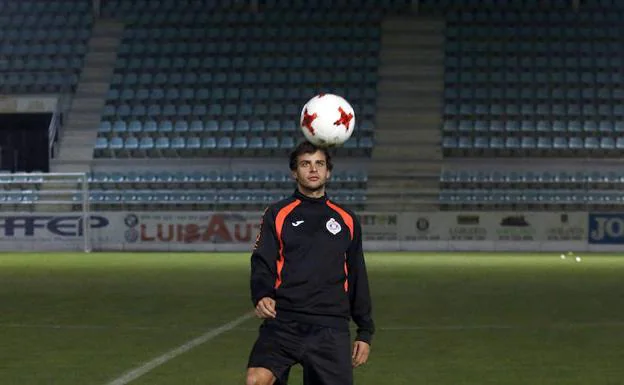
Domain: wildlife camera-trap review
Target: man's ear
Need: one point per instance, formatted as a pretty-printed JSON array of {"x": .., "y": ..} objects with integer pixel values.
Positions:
[{"x": 293, "y": 174}]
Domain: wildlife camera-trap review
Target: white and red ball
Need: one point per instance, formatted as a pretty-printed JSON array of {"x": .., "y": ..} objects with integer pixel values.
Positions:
[{"x": 327, "y": 120}]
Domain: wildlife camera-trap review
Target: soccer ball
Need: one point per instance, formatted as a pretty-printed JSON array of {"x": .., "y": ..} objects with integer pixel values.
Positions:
[{"x": 327, "y": 120}]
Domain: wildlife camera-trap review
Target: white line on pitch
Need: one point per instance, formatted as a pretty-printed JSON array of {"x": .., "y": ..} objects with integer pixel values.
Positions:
[{"x": 139, "y": 371}]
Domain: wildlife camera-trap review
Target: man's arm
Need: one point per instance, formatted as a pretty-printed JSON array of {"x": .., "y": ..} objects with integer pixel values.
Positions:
[
  {"x": 263, "y": 260},
  {"x": 359, "y": 293}
]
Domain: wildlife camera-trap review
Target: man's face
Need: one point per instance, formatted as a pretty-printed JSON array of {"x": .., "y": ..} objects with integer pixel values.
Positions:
[{"x": 311, "y": 173}]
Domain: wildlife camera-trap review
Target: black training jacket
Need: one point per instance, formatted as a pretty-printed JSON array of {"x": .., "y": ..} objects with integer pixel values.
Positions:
[{"x": 308, "y": 257}]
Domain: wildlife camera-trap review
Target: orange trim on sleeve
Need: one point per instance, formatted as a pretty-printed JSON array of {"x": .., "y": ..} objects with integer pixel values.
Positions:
[
  {"x": 346, "y": 218},
  {"x": 346, "y": 270},
  {"x": 279, "y": 224}
]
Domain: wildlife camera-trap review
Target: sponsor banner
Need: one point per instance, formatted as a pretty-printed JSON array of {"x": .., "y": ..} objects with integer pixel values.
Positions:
[
  {"x": 528, "y": 227},
  {"x": 512, "y": 227},
  {"x": 26, "y": 104},
  {"x": 207, "y": 231},
  {"x": 442, "y": 226},
  {"x": 605, "y": 228},
  {"x": 493, "y": 226},
  {"x": 188, "y": 228},
  {"x": 467, "y": 227},
  {"x": 564, "y": 227},
  {"x": 130, "y": 231},
  {"x": 459, "y": 246},
  {"x": 424, "y": 227},
  {"x": 380, "y": 226},
  {"x": 28, "y": 231}
]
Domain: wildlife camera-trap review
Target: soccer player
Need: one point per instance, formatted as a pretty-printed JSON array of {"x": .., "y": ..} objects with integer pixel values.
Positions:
[{"x": 308, "y": 278}]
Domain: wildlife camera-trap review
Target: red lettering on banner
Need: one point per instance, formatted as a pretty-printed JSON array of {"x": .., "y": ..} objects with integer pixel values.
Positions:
[
  {"x": 191, "y": 233},
  {"x": 160, "y": 234},
  {"x": 217, "y": 229},
  {"x": 237, "y": 232},
  {"x": 144, "y": 237},
  {"x": 179, "y": 232}
]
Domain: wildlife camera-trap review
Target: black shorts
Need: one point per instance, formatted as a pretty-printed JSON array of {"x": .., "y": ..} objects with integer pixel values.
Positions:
[{"x": 324, "y": 353}]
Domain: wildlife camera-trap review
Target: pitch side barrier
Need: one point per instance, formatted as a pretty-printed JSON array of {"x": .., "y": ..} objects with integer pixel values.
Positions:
[{"x": 30, "y": 229}]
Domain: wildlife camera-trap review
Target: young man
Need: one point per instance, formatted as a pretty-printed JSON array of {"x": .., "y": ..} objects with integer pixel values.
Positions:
[{"x": 308, "y": 278}]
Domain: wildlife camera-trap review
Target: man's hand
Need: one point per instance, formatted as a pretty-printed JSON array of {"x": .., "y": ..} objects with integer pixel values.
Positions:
[
  {"x": 265, "y": 308},
  {"x": 361, "y": 350}
]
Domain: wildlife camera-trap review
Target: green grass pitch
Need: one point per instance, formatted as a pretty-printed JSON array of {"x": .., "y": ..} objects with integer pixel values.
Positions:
[{"x": 442, "y": 318}]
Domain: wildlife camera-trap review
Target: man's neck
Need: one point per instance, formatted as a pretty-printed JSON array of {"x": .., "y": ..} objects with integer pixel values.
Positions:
[{"x": 315, "y": 194}]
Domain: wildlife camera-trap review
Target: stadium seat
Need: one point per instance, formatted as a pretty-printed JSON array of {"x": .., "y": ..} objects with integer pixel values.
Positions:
[
  {"x": 242, "y": 126},
  {"x": 449, "y": 142},
  {"x": 116, "y": 143},
  {"x": 130, "y": 145},
  {"x": 209, "y": 143},
  {"x": 180, "y": 127},
  {"x": 193, "y": 144},
  {"x": 221, "y": 81},
  {"x": 576, "y": 143},
  {"x": 119, "y": 127},
  {"x": 287, "y": 142},
  {"x": 105, "y": 127},
  {"x": 101, "y": 146},
  {"x": 211, "y": 126},
  {"x": 196, "y": 127},
  {"x": 607, "y": 143},
  {"x": 224, "y": 143},
  {"x": 560, "y": 143},
  {"x": 240, "y": 143}
]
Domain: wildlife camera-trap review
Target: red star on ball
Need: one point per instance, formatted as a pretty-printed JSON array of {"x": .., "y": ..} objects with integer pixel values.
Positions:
[
  {"x": 307, "y": 121},
  {"x": 344, "y": 119}
]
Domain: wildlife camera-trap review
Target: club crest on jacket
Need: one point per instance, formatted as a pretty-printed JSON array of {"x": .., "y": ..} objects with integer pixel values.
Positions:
[{"x": 333, "y": 226}]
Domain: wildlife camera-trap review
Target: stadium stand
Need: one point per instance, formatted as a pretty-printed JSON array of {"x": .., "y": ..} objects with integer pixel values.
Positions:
[
  {"x": 534, "y": 188},
  {"x": 207, "y": 80},
  {"x": 221, "y": 80},
  {"x": 541, "y": 84},
  {"x": 194, "y": 81},
  {"x": 42, "y": 45},
  {"x": 249, "y": 189},
  {"x": 166, "y": 190}
]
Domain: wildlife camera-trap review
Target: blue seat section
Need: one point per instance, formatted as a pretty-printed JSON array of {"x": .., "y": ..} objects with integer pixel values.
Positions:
[
  {"x": 529, "y": 197},
  {"x": 239, "y": 198},
  {"x": 216, "y": 187},
  {"x": 214, "y": 178},
  {"x": 536, "y": 187},
  {"x": 544, "y": 178},
  {"x": 521, "y": 83},
  {"x": 380, "y": 6},
  {"x": 443, "y": 7},
  {"x": 42, "y": 45},
  {"x": 123, "y": 144},
  {"x": 213, "y": 71}
]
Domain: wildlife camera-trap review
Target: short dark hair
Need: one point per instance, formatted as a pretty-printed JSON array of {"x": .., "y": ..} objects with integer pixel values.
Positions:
[{"x": 307, "y": 147}]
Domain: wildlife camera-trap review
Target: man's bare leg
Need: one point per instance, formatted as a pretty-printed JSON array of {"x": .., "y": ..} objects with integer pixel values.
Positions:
[{"x": 259, "y": 376}]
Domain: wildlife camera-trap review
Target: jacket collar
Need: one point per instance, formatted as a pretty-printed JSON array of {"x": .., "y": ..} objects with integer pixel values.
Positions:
[{"x": 297, "y": 194}]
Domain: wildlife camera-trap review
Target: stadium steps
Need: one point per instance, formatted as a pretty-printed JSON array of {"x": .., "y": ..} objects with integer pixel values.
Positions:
[
  {"x": 407, "y": 157},
  {"x": 419, "y": 191},
  {"x": 80, "y": 130},
  {"x": 398, "y": 137}
]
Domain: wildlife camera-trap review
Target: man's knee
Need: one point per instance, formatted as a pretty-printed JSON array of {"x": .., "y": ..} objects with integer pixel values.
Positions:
[{"x": 259, "y": 376}]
